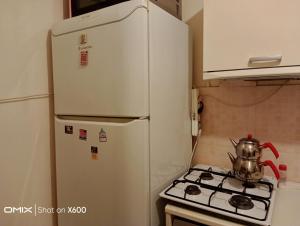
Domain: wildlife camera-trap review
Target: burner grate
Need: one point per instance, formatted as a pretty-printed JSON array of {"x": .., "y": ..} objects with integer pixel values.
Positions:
[
  {"x": 225, "y": 176},
  {"x": 265, "y": 201},
  {"x": 218, "y": 189}
]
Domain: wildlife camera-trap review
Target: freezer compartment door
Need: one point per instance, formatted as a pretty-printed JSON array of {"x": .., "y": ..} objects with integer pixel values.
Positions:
[
  {"x": 102, "y": 70},
  {"x": 103, "y": 167}
]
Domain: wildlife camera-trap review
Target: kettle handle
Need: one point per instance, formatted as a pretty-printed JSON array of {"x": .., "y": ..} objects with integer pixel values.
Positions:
[
  {"x": 273, "y": 167},
  {"x": 272, "y": 148}
]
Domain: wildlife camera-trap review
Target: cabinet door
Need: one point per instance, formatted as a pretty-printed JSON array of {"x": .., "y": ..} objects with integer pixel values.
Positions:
[{"x": 251, "y": 34}]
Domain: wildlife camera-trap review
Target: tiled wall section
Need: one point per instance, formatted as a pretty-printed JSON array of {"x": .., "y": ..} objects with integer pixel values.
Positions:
[{"x": 270, "y": 113}]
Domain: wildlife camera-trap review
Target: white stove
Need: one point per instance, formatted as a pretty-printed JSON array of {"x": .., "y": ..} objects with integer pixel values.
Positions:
[{"x": 217, "y": 190}]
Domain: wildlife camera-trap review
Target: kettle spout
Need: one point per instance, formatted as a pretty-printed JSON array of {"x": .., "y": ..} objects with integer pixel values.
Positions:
[
  {"x": 234, "y": 143},
  {"x": 231, "y": 157}
]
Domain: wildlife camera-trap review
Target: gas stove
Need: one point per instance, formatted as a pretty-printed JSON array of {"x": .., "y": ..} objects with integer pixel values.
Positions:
[{"x": 217, "y": 190}]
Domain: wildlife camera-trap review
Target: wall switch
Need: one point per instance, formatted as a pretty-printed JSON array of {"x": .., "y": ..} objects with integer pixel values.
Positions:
[{"x": 195, "y": 115}]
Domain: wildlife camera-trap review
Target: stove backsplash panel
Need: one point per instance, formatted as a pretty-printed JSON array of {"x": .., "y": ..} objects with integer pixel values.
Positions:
[{"x": 270, "y": 113}]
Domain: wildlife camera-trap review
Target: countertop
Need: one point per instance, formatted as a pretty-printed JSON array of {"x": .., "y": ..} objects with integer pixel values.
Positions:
[{"x": 287, "y": 206}]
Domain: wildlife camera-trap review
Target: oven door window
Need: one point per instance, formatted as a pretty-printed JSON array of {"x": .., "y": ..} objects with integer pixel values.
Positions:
[{"x": 79, "y": 7}]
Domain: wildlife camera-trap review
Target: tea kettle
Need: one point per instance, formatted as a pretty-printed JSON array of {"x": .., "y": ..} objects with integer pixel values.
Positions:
[
  {"x": 247, "y": 165},
  {"x": 250, "y": 148}
]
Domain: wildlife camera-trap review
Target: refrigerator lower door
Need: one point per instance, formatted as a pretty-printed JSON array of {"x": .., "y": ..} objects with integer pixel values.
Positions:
[{"x": 103, "y": 168}]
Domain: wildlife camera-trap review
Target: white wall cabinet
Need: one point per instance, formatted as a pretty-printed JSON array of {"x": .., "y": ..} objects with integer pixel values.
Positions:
[{"x": 251, "y": 38}]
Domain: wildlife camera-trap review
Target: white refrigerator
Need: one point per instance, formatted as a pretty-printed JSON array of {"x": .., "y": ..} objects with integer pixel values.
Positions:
[{"x": 122, "y": 85}]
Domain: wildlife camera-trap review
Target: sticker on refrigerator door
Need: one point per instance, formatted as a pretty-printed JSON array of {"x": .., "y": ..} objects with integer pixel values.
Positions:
[
  {"x": 102, "y": 136},
  {"x": 68, "y": 129},
  {"x": 94, "y": 152},
  {"x": 83, "y": 134},
  {"x": 84, "y": 57}
]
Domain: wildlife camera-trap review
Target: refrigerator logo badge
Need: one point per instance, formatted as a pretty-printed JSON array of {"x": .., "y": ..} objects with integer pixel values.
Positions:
[
  {"x": 102, "y": 136},
  {"x": 68, "y": 129},
  {"x": 83, "y": 134},
  {"x": 83, "y": 39},
  {"x": 84, "y": 57}
]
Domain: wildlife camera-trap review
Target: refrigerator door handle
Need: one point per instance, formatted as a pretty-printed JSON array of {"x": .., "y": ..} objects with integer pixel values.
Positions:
[{"x": 100, "y": 120}]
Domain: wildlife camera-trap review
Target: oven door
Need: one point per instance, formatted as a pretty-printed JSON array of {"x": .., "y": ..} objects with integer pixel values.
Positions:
[
  {"x": 182, "y": 222},
  {"x": 78, "y": 7}
]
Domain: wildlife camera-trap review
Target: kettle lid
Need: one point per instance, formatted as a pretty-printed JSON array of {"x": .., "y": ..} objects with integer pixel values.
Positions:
[{"x": 249, "y": 140}]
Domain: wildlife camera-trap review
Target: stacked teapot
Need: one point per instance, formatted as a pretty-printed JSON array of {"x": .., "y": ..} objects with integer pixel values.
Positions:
[{"x": 247, "y": 166}]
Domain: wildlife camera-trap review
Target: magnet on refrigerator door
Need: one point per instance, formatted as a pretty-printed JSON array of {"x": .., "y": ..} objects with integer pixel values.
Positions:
[
  {"x": 83, "y": 134},
  {"x": 68, "y": 129},
  {"x": 94, "y": 152},
  {"x": 102, "y": 136}
]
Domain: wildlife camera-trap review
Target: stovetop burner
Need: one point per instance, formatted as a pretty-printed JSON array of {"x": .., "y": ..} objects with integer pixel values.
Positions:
[
  {"x": 241, "y": 202},
  {"x": 249, "y": 185},
  {"x": 192, "y": 190},
  {"x": 206, "y": 176}
]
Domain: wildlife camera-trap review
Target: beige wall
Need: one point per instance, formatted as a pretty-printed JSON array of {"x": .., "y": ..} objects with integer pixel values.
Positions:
[
  {"x": 26, "y": 152},
  {"x": 270, "y": 111}
]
